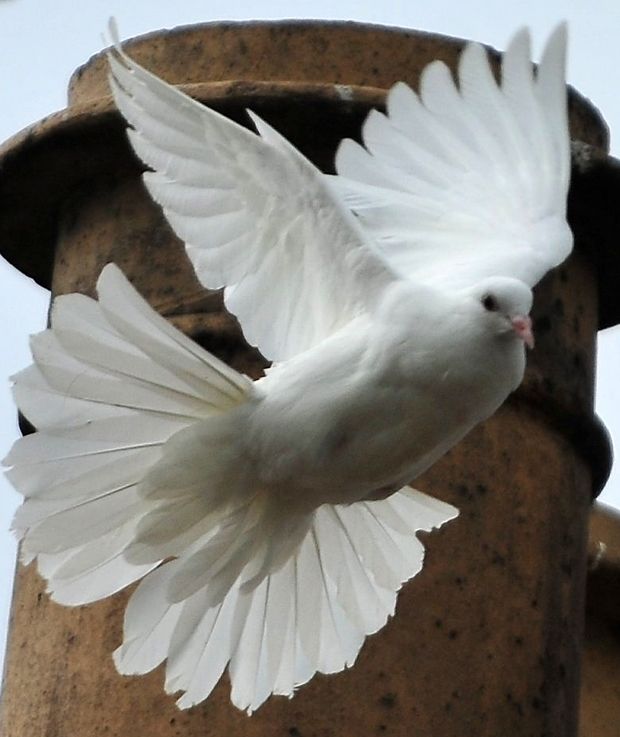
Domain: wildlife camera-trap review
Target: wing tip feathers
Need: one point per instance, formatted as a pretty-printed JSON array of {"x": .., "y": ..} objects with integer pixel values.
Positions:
[{"x": 555, "y": 51}]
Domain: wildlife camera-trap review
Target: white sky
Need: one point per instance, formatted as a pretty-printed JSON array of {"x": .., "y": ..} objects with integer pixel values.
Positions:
[{"x": 43, "y": 41}]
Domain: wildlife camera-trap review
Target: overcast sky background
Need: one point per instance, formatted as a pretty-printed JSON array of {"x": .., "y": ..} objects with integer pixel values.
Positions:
[{"x": 43, "y": 41}]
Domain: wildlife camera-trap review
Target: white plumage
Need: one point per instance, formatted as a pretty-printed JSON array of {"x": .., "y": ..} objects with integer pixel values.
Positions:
[{"x": 281, "y": 507}]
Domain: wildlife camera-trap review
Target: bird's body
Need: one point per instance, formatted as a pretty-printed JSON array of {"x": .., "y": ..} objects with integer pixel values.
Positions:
[
  {"x": 271, "y": 522},
  {"x": 367, "y": 410}
]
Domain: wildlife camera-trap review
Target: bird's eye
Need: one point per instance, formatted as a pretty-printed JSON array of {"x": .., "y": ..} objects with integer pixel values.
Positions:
[{"x": 490, "y": 303}]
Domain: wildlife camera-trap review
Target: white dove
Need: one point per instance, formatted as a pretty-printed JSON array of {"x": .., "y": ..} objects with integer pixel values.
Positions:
[{"x": 271, "y": 520}]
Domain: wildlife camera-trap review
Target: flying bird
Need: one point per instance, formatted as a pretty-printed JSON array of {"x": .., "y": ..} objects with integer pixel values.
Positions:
[{"x": 272, "y": 522}]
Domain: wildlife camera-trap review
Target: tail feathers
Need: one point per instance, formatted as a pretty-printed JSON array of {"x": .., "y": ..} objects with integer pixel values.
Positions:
[
  {"x": 48, "y": 407},
  {"x": 132, "y": 316},
  {"x": 294, "y": 608},
  {"x": 170, "y": 530},
  {"x": 201, "y": 485},
  {"x": 204, "y": 459},
  {"x": 150, "y": 622},
  {"x": 93, "y": 571},
  {"x": 143, "y": 463},
  {"x": 251, "y": 542},
  {"x": 111, "y": 384}
]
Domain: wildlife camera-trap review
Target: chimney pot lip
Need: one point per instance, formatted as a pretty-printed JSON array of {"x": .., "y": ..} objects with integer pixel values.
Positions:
[
  {"x": 45, "y": 163},
  {"x": 28, "y": 242}
]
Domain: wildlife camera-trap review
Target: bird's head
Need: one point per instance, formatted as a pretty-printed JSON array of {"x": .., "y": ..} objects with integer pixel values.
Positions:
[{"x": 504, "y": 304}]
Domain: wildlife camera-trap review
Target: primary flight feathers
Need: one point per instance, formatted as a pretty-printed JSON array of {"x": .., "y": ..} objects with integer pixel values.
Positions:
[
  {"x": 455, "y": 185},
  {"x": 281, "y": 507},
  {"x": 256, "y": 216}
]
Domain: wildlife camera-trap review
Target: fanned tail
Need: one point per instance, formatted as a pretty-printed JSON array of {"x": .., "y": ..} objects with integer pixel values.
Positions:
[
  {"x": 111, "y": 383},
  {"x": 299, "y": 596},
  {"x": 139, "y": 459}
]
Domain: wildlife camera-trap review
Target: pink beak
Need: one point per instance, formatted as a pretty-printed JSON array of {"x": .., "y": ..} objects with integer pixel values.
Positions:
[{"x": 522, "y": 325}]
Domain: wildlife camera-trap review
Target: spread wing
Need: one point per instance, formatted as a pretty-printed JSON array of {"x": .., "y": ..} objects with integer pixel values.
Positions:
[
  {"x": 257, "y": 217},
  {"x": 456, "y": 185}
]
